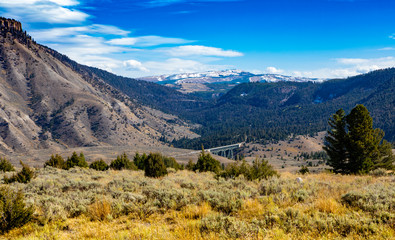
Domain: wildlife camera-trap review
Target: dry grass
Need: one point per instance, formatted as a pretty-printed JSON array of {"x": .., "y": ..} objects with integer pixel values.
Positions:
[{"x": 85, "y": 204}]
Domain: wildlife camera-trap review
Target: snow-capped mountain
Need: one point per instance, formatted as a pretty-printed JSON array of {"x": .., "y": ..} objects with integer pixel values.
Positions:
[
  {"x": 282, "y": 78},
  {"x": 226, "y": 76}
]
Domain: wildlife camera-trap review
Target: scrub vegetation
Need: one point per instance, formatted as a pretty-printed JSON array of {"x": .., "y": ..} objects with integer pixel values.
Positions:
[{"x": 83, "y": 203}]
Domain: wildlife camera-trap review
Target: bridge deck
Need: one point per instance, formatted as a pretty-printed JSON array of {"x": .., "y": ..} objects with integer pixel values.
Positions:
[{"x": 225, "y": 147}]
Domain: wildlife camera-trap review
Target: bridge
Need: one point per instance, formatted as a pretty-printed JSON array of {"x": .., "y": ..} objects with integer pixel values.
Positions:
[{"x": 225, "y": 151}]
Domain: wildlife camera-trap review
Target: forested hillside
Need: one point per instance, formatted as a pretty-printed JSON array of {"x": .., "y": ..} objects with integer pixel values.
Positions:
[{"x": 268, "y": 111}]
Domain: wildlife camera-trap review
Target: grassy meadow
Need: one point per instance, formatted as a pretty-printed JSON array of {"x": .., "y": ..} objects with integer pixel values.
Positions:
[{"x": 87, "y": 204}]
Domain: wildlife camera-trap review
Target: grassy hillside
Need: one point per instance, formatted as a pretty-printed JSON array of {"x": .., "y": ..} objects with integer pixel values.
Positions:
[{"x": 86, "y": 204}]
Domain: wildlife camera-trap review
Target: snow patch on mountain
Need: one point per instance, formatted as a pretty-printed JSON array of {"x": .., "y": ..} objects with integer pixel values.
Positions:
[{"x": 225, "y": 76}]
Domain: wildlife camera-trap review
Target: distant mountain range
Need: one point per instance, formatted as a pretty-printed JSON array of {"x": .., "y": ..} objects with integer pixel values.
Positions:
[{"x": 202, "y": 82}]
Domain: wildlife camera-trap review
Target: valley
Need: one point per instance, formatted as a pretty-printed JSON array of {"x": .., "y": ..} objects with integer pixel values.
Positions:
[{"x": 88, "y": 154}]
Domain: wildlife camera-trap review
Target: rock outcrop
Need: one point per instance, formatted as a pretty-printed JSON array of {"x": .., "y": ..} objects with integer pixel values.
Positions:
[{"x": 10, "y": 25}]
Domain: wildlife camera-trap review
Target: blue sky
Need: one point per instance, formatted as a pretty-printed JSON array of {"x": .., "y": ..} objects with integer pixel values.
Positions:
[{"x": 311, "y": 38}]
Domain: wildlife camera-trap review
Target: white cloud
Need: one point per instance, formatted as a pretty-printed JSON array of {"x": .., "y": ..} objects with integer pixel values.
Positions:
[
  {"x": 177, "y": 65},
  {"x": 109, "y": 47},
  {"x": 352, "y": 61},
  {"x": 349, "y": 67},
  {"x": 198, "y": 50},
  {"x": 51, "y": 11},
  {"x": 387, "y": 49},
  {"x": 67, "y": 33},
  {"x": 147, "y": 41},
  {"x": 392, "y": 36},
  {"x": 134, "y": 65},
  {"x": 273, "y": 70}
]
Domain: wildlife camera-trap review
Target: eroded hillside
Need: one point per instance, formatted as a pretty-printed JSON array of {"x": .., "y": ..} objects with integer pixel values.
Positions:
[{"x": 45, "y": 103}]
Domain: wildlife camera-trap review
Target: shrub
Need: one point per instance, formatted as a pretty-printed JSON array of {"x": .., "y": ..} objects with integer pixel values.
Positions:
[
  {"x": 304, "y": 170},
  {"x": 190, "y": 166},
  {"x": 206, "y": 163},
  {"x": 139, "y": 160},
  {"x": 76, "y": 161},
  {"x": 154, "y": 166},
  {"x": 261, "y": 169},
  {"x": 24, "y": 176},
  {"x": 13, "y": 210},
  {"x": 56, "y": 161},
  {"x": 172, "y": 163},
  {"x": 123, "y": 162},
  {"x": 234, "y": 170},
  {"x": 5, "y": 165},
  {"x": 99, "y": 165},
  {"x": 379, "y": 172},
  {"x": 100, "y": 210}
]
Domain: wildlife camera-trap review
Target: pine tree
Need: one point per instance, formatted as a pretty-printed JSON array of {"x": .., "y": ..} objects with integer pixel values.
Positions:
[
  {"x": 336, "y": 141},
  {"x": 363, "y": 140},
  {"x": 99, "y": 165},
  {"x": 206, "y": 163},
  {"x": 5, "y": 165},
  {"x": 354, "y": 146},
  {"x": 55, "y": 161},
  {"x": 123, "y": 162},
  {"x": 76, "y": 161},
  {"x": 154, "y": 166}
]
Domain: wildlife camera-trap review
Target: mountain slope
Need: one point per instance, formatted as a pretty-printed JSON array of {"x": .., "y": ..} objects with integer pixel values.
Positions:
[
  {"x": 273, "y": 111},
  {"x": 46, "y": 103}
]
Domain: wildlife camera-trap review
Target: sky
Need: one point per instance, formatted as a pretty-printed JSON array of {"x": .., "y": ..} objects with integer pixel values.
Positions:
[{"x": 310, "y": 38}]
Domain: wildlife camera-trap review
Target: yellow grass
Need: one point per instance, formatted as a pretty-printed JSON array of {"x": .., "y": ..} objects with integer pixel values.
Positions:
[{"x": 187, "y": 205}]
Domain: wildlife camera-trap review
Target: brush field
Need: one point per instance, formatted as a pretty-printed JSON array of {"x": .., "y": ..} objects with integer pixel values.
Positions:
[{"x": 88, "y": 204}]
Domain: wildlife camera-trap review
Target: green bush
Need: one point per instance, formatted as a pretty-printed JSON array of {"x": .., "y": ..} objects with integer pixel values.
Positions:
[
  {"x": 99, "y": 165},
  {"x": 13, "y": 210},
  {"x": 261, "y": 169},
  {"x": 56, "y": 161},
  {"x": 139, "y": 160},
  {"x": 76, "y": 161},
  {"x": 190, "y": 166},
  {"x": 123, "y": 162},
  {"x": 304, "y": 170},
  {"x": 5, "y": 165},
  {"x": 206, "y": 163},
  {"x": 172, "y": 163},
  {"x": 24, "y": 176},
  {"x": 155, "y": 166},
  {"x": 234, "y": 170}
]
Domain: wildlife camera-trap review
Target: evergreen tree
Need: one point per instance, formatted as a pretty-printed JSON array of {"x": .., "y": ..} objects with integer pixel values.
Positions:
[
  {"x": 206, "y": 163},
  {"x": 55, "y": 161},
  {"x": 76, "y": 161},
  {"x": 5, "y": 165},
  {"x": 13, "y": 210},
  {"x": 154, "y": 166},
  {"x": 139, "y": 160},
  {"x": 356, "y": 147},
  {"x": 261, "y": 169},
  {"x": 123, "y": 162},
  {"x": 24, "y": 176},
  {"x": 363, "y": 142},
  {"x": 99, "y": 165},
  {"x": 335, "y": 142}
]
